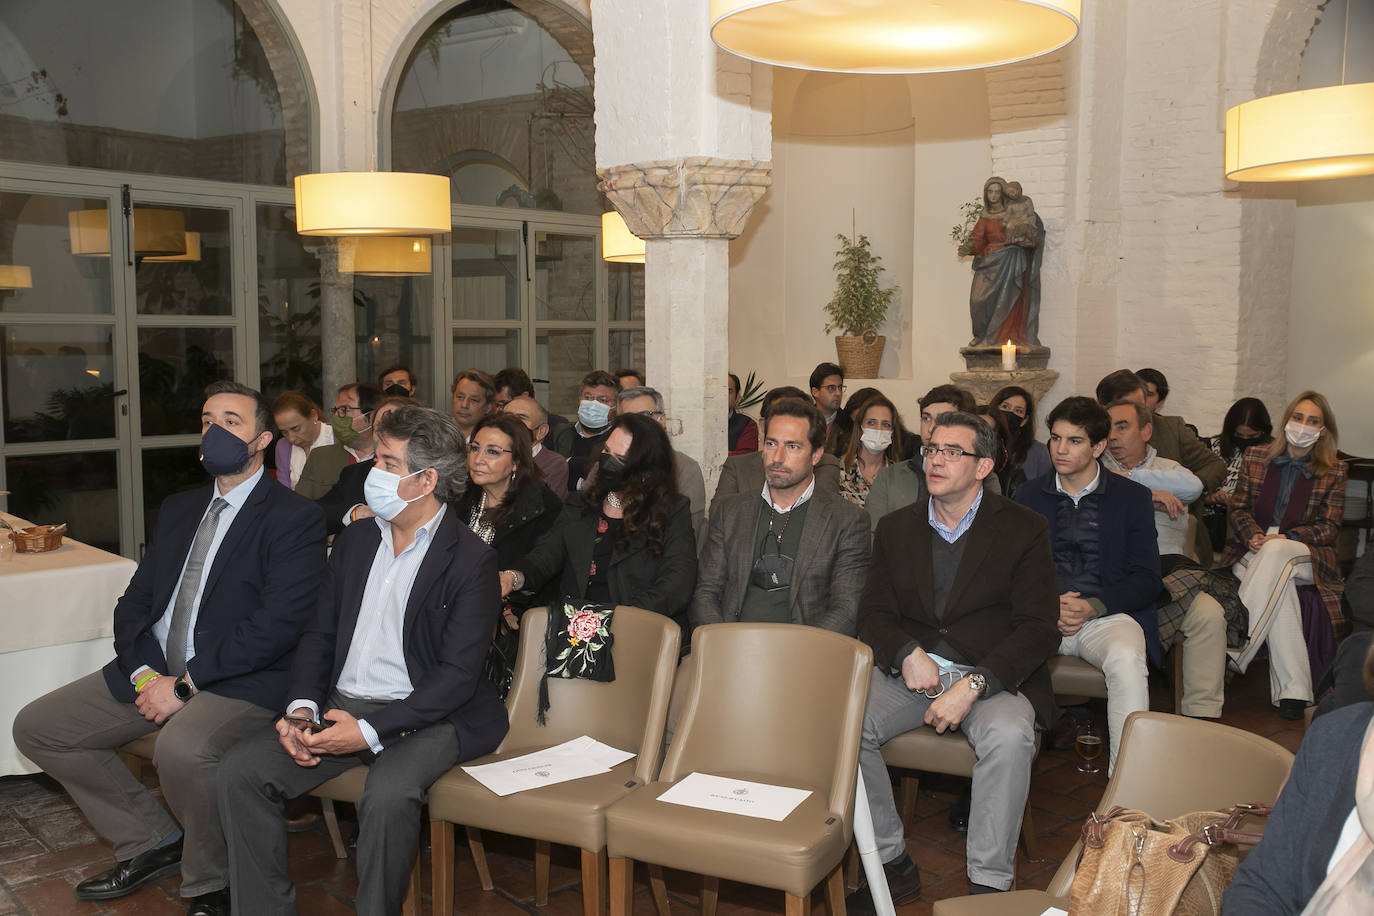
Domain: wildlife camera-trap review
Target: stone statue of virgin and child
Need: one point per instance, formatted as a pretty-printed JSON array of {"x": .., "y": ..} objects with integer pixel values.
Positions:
[{"x": 1007, "y": 247}]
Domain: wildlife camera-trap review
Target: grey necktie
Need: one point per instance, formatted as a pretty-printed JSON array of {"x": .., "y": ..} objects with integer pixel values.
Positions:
[{"x": 190, "y": 584}]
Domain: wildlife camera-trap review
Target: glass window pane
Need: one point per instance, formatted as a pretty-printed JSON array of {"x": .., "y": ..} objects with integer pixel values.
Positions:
[
  {"x": 41, "y": 269},
  {"x": 627, "y": 348},
  {"x": 394, "y": 325},
  {"x": 196, "y": 281},
  {"x": 58, "y": 382},
  {"x": 288, "y": 307},
  {"x": 493, "y": 100},
  {"x": 488, "y": 349},
  {"x": 167, "y": 471},
  {"x": 565, "y": 277},
  {"x": 171, "y": 88},
  {"x": 81, "y": 490},
  {"x": 485, "y": 274},
  {"x": 625, "y": 291},
  {"x": 174, "y": 366},
  {"x": 564, "y": 357}
]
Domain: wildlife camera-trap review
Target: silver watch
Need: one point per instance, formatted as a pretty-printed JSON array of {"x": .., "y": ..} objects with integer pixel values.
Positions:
[{"x": 978, "y": 683}]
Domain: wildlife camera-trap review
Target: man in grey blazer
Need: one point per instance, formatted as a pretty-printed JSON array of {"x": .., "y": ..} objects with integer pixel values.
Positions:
[
  {"x": 745, "y": 473},
  {"x": 790, "y": 551}
]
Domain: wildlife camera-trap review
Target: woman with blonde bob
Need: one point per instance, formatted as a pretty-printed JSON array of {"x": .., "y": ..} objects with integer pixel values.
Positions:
[{"x": 1286, "y": 514}]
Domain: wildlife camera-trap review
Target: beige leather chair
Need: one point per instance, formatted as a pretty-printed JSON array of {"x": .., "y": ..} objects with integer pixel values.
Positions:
[
  {"x": 627, "y": 713},
  {"x": 1168, "y": 765},
  {"x": 773, "y": 703}
]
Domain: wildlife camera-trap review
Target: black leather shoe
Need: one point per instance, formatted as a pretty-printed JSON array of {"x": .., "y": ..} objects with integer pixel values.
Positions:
[
  {"x": 903, "y": 883},
  {"x": 215, "y": 903},
  {"x": 1293, "y": 710},
  {"x": 983, "y": 889},
  {"x": 958, "y": 812},
  {"x": 131, "y": 874}
]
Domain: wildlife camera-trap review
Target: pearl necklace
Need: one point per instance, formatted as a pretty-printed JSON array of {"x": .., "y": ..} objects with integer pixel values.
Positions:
[{"x": 613, "y": 501}]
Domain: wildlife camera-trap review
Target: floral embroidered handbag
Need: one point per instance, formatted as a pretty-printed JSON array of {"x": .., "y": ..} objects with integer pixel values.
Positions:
[{"x": 577, "y": 643}]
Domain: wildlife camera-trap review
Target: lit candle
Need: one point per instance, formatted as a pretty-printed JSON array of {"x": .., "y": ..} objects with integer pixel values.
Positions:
[{"x": 1008, "y": 356}]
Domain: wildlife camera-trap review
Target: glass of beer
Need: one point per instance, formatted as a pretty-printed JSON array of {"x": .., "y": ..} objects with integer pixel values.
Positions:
[{"x": 1088, "y": 747}]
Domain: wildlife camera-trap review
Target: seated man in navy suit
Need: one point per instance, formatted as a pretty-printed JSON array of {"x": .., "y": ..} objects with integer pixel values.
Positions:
[
  {"x": 391, "y": 667},
  {"x": 203, "y": 638}
]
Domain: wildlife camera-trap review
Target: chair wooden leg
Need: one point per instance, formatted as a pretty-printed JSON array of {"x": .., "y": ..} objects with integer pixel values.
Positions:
[
  {"x": 660, "y": 890},
  {"x": 851, "y": 867},
  {"x": 834, "y": 891},
  {"x": 331, "y": 823},
  {"x": 541, "y": 872},
  {"x": 410, "y": 906},
  {"x": 1028, "y": 837},
  {"x": 798, "y": 906},
  {"x": 479, "y": 857},
  {"x": 622, "y": 889},
  {"x": 710, "y": 894},
  {"x": 594, "y": 882},
  {"x": 441, "y": 866},
  {"x": 910, "y": 785},
  {"x": 1177, "y": 671}
]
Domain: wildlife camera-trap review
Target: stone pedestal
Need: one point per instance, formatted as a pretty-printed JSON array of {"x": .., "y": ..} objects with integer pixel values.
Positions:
[
  {"x": 984, "y": 383},
  {"x": 1027, "y": 357}
]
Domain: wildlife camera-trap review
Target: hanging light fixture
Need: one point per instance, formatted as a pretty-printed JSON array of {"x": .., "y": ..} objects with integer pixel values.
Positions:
[
  {"x": 157, "y": 232},
  {"x": 618, "y": 244},
  {"x": 15, "y": 276},
  {"x": 192, "y": 250},
  {"x": 372, "y": 203},
  {"x": 1308, "y": 135},
  {"x": 893, "y": 36},
  {"x": 389, "y": 256}
]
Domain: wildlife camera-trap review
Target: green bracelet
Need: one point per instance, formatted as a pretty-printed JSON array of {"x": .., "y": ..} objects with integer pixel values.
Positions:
[{"x": 145, "y": 680}]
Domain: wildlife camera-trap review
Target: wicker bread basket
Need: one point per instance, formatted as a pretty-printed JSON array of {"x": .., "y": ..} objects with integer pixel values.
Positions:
[{"x": 38, "y": 539}]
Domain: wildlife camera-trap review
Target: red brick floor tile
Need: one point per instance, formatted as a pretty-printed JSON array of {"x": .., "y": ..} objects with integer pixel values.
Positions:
[
  {"x": 89, "y": 858},
  {"x": 53, "y": 895},
  {"x": 153, "y": 900}
]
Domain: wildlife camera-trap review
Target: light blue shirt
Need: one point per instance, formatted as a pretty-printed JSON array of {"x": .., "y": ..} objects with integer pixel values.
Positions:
[
  {"x": 376, "y": 665},
  {"x": 235, "y": 498},
  {"x": 953, "y": 534}
]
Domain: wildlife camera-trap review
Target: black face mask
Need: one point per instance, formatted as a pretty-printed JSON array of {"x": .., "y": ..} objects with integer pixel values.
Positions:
[
  {"x": 395, "y": 390},
  {"x": 1247, "y": 441},
  {"x": 610, "y": 471}
]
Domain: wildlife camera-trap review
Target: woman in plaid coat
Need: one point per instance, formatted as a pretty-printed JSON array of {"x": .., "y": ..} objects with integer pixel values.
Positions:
[{"x": 1287, "y": 512}]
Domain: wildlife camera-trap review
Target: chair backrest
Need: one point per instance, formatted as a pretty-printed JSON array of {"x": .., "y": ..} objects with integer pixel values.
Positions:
[
  {"x": 627, "y": 713},
  {"x": 1172, "y": 765},
  {"x": 777, "y": 700}
]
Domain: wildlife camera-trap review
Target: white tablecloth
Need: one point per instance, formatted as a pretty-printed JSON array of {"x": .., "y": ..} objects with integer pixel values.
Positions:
[{"x": 56, "y": 624}]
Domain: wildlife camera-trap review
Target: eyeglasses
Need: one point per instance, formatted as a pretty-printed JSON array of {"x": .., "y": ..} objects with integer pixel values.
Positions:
[
  {"x": 343, "y": 410},
  {"x": 490, "y": 451},
  {"x": 951, "y": 452},
  {"x": 832, "y": 389},
  {"x": 649, "y": 413}
]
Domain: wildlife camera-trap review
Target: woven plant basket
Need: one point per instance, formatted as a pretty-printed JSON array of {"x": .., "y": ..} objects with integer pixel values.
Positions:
[
  {"x": 38, "y": 539},
  {"x": 859, "y": 358}
]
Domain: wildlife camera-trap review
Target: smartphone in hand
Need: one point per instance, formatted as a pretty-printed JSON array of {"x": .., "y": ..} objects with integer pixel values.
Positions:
[{"x": 307, "y": 723}]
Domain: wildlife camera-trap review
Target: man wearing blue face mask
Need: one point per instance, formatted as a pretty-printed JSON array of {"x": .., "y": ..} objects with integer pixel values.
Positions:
[
  {"x": 579, "y": 441},
  {"x": 203, "y": 642},
  {"x": 388, "y": 674}
]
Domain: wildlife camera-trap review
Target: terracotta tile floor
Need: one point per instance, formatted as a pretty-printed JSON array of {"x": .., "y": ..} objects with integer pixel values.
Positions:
[{"x": 46, "y": 846}]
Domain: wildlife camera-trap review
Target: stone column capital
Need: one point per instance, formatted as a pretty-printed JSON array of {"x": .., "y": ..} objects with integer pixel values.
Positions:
[{"x": 696, "y": 196}]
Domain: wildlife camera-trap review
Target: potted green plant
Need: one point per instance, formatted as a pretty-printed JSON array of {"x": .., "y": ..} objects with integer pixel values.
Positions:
[{"x": 858, "y": 307}]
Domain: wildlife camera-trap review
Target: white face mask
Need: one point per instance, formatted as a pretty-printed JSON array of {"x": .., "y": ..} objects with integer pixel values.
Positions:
[
  {"x": 379, "y": 489},
  {"x": 876, "y": 440},
  {"x": 1300, "y": 435}
]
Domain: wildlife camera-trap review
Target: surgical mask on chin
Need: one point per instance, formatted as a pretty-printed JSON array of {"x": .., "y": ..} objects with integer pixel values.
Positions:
[
  {"x": 222, "y": 452},
  {"x": 380, "y": 492},
  {"x": 876, "y": 440},
  {"x": 1300, "y": 435},
  {"x": 593, "y": 414}
]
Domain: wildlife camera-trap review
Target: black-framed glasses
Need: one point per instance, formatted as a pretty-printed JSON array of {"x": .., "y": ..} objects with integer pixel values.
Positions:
[
  {"x": 951, "y": 452},
  {"x": 343, "y": 410},
  {"x": 489, "y": 451},
  {"x": 656, "y": 414},
  {"x": 831, "y": 389}
]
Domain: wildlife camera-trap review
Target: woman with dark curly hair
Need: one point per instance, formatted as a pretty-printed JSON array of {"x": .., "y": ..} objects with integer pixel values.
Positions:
[
  {"x": 627, "y": 537},
  {"x": 506, "y": 502}
]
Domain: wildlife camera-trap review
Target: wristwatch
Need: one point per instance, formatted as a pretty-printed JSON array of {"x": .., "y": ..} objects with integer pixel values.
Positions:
[
  {"x": 182, "y": 689},
  {"x": 975, "y": 680}
]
